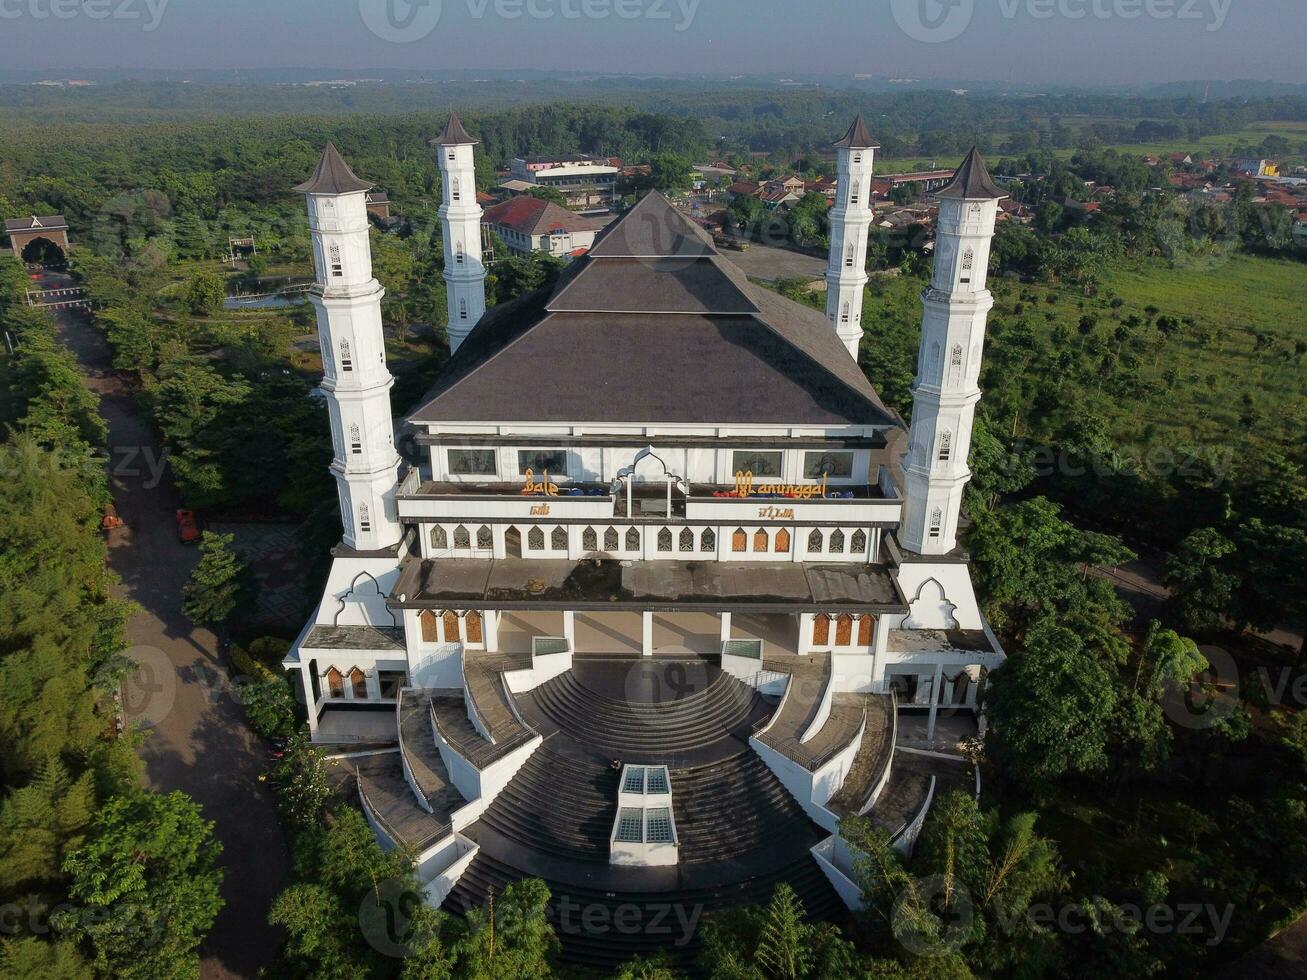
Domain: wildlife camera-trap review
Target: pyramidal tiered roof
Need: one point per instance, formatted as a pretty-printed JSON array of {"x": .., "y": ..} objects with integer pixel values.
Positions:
[
  {"x": 654, "y": 325},
  {"x": 858, "y": 137},
  {"x": 454, "y": 134},
  {"x": 972, "y": 181},
  {"x": 333, "y": 176}
]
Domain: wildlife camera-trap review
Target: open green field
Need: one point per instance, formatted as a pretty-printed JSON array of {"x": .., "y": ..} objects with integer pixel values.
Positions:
[{"x": 1193, "y": 385}]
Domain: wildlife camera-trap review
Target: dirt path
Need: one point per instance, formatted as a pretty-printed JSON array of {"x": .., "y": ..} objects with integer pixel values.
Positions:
[{"x": 198, "y": 741}]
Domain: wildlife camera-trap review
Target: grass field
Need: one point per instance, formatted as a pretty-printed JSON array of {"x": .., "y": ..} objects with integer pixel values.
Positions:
[{"x": 1193, "y": 385}]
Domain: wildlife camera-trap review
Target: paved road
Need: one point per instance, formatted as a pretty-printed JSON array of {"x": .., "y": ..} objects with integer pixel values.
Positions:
[{"x": 199, "y": 742}]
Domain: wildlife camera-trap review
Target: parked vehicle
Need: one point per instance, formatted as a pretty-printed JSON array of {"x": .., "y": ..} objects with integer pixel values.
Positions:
[
  {"x": 188, "y": 530},
  {"x": 111, "y": 519}
]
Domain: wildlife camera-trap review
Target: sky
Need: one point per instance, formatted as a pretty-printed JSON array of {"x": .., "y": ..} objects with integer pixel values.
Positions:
[{"x": 1071, "y": 42}]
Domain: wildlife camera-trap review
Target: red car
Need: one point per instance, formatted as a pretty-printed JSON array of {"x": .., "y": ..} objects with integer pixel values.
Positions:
[{"x": 188, "y": 531}]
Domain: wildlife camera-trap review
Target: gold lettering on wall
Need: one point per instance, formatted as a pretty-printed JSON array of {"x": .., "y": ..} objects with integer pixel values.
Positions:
[
  {"x": 744, "y": 487},
  {"x": 541, "y": 488}
]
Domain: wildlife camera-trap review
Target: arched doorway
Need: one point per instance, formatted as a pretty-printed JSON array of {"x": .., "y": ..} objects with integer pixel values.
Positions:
[
  {"x": 42, "y": 251},
  {"x": 513, "y": 542}
]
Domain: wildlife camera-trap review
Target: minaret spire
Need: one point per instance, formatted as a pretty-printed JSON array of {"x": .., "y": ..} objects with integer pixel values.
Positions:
[
  {"x": 348, "y": 303},
  {"x": 850, "y": 221},
  {"x": 460, "y": 223},
  {"x": 947, "y": 388}
]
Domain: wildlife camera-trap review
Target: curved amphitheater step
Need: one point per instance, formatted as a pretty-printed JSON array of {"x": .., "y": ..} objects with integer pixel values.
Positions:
[
  {"x": 601, "y": 929},
  {"x": 873, "y": 755},
  {"x": 483, "y": 677},
  {"x": 418, "y": 747},
  {"x": 809, "y": 678},
  {"x": 909, "y": 786},
  {"x": 688, "y": 729},
  {"x": 390, "y": 798}
]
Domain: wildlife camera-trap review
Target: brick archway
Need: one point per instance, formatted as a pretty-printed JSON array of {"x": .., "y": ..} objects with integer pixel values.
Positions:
[{"x": 43, "y": 234}]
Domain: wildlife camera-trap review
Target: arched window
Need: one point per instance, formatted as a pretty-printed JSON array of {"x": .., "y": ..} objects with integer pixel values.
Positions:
[
  {"x": 462, "y": 309},
  {"x": 821, "y": 630},
  {"x": 472, "y": 621},
  {"x": 665, "y": 539},
  {"x": 355, "y": 440},
  {"x": 837, "y": 542},
  {"x": 955, "y": 364},
  {"x": 333, "y": 257},
  {"x": 739, "y": 540},
  {"x": 590, "y": 540},
  {"x": 335, "y": 683},
  {"x": 858, "y": 543},
  {"x": 945, "y": 445},
  {"x": 844, "y": 313},
  {"x": 439, "y": 539},
  {"x": 848, "y": 256},
  {"x": 484, "y": 538},
  {"x": 359, "y": 682},
  {"x": 865, "y": 624},
  {"x": 346, "y": 360},
  {"x": 450, "y": 619},
  {"x": 814, "y": 542},
  {"x": 782, "y": 541},
  {"x": 968, "y": 260},
  {"x": 462, "y": 538},
  {"x": 427, "y": 623},
  {"x": 558, "y": 539},
  {"x": 760, "y": 540},
  {"x": 458, "y": 254},
  {"x": 365, "y": 520},
  {"x": 708, "y": 540},
  {"x": 936, "y": 523},
  {"x": 453, "y": 189},
  {"x": 687, "y": 540},
  {"x": 610, "y": 539},
  {"x": 633, "y": 539},
  {"x": 853, "y": 192},
  {"x": 857, "y": 158},
  {"x": 535, "y": 539},
  {"x": 844, "y": 630}
]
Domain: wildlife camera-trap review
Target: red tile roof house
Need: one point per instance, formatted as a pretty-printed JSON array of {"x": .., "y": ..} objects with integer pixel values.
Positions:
[{"x": 530, "y": 224}]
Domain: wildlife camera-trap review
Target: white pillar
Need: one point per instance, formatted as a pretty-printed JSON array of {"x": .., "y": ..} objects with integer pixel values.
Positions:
[
  {"x": 947, "y": 388},
  {"x": 460, "y": 222},
  {"x": 726, "y": 626},
  {"x": 646, "y": 639},
  {"x": 805, "y": 634},
  {"x": 310, "y": 704},
  {"x": 569, "y": 629},
  {"x": 490, "y": 627},
  {"x": 879, "y": 644},
  {"x": 347, "y": 300},
  {"x": 850, "y": 222},
  {"x": 934, "y": 700}
]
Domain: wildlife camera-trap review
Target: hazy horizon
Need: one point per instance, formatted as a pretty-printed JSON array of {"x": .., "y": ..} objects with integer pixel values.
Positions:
[{"x": 1053, "y": 42}]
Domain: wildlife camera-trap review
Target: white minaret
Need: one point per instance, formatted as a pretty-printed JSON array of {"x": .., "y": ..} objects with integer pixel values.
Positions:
[
  {"x": 460, "y": 224},
  {"x": 850, "y": 220},
  {"x": 355, "y": 377},
  {"x": 948, "y": 364}
]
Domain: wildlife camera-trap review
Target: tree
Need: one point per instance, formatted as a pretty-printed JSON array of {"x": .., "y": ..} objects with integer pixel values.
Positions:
[
  {"x": 149, "y": 875},
  {"x": 670, "y": 172},
  {"x": 1202, "y": 590},
  {"x": 1050, "y": 708},
  {"x": 511, "y": 937},
  {"x": 775, "y": 942},
  {"x": 214, "y": 588},
  {"x": 205, "y": 293},
  {"x": 547, "y": 194},
  {"x": 300, "y": 779},
  {"x": 30, "y": 957}
]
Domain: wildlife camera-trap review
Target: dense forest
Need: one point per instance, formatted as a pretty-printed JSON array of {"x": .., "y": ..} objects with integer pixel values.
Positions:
[{"x": 1103, "y": 794}]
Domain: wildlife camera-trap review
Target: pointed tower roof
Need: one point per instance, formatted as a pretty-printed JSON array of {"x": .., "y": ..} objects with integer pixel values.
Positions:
[
  {"x": 454, "y": 134},
  {"x": 653, "y": 229},
  {"x": 972, "y": 181},
  {"x": 857, "y": 138},
  {"x": 333, "y": 176}
]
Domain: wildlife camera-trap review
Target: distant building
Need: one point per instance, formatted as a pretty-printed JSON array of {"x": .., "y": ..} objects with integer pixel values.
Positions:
[
  {"x": 1257, "y": 168},
  {"x": 928, "y": 179},
  {"x": 587, "y": 183},
  {"x": 529, "y": 224},
  {"x": 378, "y": 204}
]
